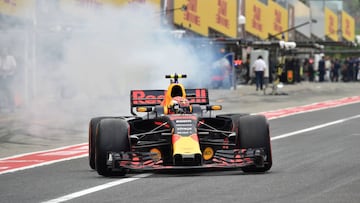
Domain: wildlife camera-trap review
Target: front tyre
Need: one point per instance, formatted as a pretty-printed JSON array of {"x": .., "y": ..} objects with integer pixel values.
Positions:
[
  {"x": 253, "y": 132},
  {"x": 92, "y": 135},
  {"x": 112, "y": 136}
]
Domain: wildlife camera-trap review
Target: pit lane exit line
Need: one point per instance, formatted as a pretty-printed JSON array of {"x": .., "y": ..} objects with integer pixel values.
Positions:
[
  {"x": 36, "y": 159},
  {"x": 314, "y": 127}
]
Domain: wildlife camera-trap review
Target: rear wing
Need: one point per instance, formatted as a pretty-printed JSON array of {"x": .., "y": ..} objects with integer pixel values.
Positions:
[{"x": 155, "y": 97}]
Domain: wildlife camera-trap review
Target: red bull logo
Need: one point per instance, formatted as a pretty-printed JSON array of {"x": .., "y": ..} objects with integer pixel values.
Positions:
[
  {"x": 147, "y": 97},
  {"x": 155, "y": 97}
]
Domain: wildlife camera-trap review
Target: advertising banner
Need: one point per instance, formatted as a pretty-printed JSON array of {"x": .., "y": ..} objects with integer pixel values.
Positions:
[
  {"x": 331, "y": 24},
  {"x": 256, "y": 19},
  {"x": 278, "y": 17},
  {"x": 17, "y": 8},
  {"x": 347, "y": 26},
  {"x": 195, "y": 17},
  {"x": 223, "y": 16}
]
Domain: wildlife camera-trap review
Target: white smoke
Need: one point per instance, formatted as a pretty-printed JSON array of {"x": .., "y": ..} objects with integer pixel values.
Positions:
[
  {"x": 74, "y": 65},
  {"x": 125, "y": 48},
  {"x": 91, "y": 60}
]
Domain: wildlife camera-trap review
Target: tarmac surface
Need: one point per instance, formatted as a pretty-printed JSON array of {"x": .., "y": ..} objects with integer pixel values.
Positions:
[
  {"x": 252, "y": 101},
  {"x": 52, "y": 123}
]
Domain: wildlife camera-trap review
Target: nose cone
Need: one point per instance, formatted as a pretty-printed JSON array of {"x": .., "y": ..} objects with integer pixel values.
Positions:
[{"x": 186, "y": 144}]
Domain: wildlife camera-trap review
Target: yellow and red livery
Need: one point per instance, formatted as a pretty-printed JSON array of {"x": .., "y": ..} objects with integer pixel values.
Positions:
[{"x": 165, "y": 138}]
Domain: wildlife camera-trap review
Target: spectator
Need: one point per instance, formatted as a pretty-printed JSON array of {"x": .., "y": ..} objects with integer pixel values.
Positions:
[
  {"x": 321, "y": 69},
  {"x": 311, "y": 70},
  {"x": 7, "y": 73},
  {"x": 259, "y": 68},
  {"x": 350, "y": 69},
  {"x": 247, "y": 66},
  {"x": 297, "y": 70},
  {"x": 335, "y": 71},
  {"x": 356, "y": 69},
  {"x": 344, "y": 70},
  {"x": 328, "y": 65}
]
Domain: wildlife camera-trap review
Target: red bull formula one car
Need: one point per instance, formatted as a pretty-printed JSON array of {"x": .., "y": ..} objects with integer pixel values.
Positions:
[{"x": 177, "y": 131}]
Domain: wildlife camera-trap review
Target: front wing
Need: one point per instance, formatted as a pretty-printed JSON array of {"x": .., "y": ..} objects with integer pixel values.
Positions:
[{"x": 236, "y": 158}]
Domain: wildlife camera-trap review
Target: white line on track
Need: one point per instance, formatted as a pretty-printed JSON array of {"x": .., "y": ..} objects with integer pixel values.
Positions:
[
  {"x": 314, "y": 127},
  {"x": 126, "y": 180},
  {"x": 96, "y": 188}
]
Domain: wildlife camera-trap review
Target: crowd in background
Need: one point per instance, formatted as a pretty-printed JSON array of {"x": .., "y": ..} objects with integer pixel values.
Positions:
[
  {"x": 324, "y": 69},
  {"x": 332, "y": 69}
]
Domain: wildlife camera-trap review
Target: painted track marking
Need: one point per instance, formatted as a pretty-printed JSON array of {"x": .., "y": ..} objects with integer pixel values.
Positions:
[
  {"x": 310, "y": 107},
  {"x": 96, "y": 188},
  {"x": 315, "y": 127},
  {"x": 41, "y": 158}
]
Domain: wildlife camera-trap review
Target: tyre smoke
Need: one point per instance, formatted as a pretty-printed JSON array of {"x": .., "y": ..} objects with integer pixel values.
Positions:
[{"x": 77, "y": 63}]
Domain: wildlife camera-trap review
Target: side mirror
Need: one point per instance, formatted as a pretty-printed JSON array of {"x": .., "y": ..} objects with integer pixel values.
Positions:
[
  {"x": 144, "y": 109},
  {"x": 214, "y": 107}
]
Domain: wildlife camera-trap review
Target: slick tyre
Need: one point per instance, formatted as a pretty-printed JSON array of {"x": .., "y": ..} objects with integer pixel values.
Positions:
[
  {"x": 112, "y": 136},
  {"x": 92, "y": 135},
  {"x": 253, "y": 132}
]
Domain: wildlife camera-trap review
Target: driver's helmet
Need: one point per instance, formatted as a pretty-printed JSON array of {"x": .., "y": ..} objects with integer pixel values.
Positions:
[{"x": 179, "y": 105}]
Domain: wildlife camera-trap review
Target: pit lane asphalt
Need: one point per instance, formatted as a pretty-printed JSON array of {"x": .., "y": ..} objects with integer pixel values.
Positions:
[
  {"x": 316, "y": 166},
  {"x": 246, "y": 99},
  {"x": 52, "y": 123}
]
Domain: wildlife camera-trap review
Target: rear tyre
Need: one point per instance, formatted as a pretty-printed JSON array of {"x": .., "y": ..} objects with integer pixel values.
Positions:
[
  {"x": 253, "y": 132},
  {"x": 92, "y": 135},
  {"x": 112, "y": 136}
]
